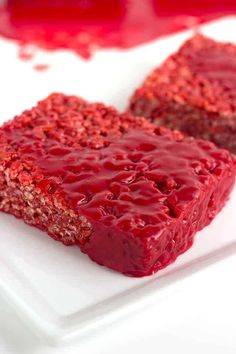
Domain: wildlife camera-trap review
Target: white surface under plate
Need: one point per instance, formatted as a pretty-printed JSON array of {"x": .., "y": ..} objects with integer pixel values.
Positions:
[{"x": 56, "y": 289}]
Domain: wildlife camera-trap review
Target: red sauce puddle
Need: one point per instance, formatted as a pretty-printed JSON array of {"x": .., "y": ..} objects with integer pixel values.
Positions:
[{"x": 85, "y": 25}]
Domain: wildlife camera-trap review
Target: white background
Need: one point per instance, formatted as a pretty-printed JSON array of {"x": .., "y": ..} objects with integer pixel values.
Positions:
[{"x": 199, "y": 318}]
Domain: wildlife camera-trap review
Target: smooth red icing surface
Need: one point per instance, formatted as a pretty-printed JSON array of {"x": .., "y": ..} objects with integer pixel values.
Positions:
[{"x": 82, "y": 26}]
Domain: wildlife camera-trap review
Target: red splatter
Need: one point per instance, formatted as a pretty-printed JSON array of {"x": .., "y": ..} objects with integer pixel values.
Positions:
[
  {"x": 41, "y": 67},
  {"x": 26, "y": 52},
  {"x": 85, "y": 25}
]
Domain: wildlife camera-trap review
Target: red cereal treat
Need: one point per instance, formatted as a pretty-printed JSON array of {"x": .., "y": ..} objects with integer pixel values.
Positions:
[
  {"x": 194, "y": 91},
  {"x": 132, "y": 199}
]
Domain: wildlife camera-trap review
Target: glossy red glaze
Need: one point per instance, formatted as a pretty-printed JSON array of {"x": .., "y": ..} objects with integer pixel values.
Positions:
[
  {"x": 82, "y": 26},
  {"x": 194, "y": 91},
  {"x": 136, "y": 201}
]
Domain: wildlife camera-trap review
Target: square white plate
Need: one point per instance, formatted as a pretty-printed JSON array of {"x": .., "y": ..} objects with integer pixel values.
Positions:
[{"x": 56, "y": 289}]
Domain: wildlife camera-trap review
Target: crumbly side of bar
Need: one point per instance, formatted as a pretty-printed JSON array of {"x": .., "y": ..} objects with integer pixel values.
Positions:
[
  {"x": 190, "y": 120},
  {"x": 62, "y": 121},
  {"x": 194, "y": 90},
  {"x": 25, "y": 194}
]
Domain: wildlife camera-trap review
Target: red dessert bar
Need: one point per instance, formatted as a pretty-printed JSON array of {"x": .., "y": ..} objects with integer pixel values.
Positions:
[
  {"x": 130, "y": 198},
  {"x": 194, "y": 91}
]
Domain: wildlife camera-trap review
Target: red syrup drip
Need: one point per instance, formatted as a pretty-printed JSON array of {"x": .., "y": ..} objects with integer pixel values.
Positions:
[{"x": 85, "y": 25}]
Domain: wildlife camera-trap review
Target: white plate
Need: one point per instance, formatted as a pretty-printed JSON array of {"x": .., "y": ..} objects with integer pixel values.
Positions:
[{"x": 56, "y": 289}]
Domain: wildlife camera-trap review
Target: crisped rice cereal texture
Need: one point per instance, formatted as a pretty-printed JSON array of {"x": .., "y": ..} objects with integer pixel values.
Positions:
[
  {"x": 194, "y": 91},
  {"x": 130, "y": 198}
]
